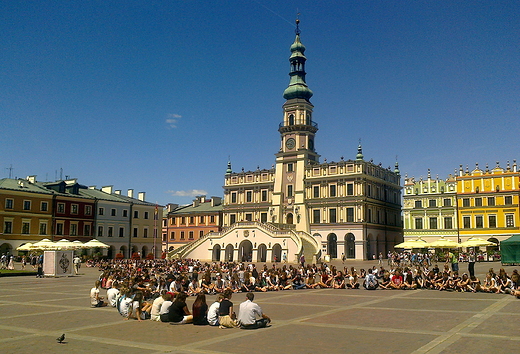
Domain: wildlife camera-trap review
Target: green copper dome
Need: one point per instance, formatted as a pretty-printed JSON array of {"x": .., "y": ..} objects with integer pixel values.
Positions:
[{"x": 297, "y": 86}]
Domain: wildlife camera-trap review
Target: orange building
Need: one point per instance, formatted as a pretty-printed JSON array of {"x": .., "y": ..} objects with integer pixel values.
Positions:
[{"x": 185, "y": 224}]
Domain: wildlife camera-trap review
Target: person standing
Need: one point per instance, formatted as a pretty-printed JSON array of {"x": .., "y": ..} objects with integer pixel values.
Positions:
[
  {"x": 471, "y": 263},
  {"x": 77, "y": 264},
  {"x": 250, "y": 315},
  {"x": 302, "y": 260},
  {"x": 39, "y": 264}
]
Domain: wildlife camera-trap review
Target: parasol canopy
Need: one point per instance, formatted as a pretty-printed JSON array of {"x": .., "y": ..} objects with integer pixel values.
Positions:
[
  {"x": 64, "y": 244},
  {"x": 44, "y": 244},
  {"x": 413, "y": 243},
  {"x": 25, "y": 247},
  {"x": 477, "y": 242},
  {"x": 95, "y": 244},
  {"x": 444, "y": 243}
]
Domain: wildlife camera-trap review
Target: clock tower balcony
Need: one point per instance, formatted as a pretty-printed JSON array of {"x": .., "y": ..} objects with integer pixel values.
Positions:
[{"x": 313, "y": 127}]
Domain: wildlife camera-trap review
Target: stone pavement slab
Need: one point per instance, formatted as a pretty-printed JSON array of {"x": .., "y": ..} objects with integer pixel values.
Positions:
[{"x": 34, "y": 312}]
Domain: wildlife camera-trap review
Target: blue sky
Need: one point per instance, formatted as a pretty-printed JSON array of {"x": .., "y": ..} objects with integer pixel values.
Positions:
[{"x": 155, "y": 95}]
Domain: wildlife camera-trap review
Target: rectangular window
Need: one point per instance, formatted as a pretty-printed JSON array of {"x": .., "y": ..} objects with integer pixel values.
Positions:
[
  {"x": 26, "y": 226},
  {"x": 74, "y": 209},
  {"x": 182, "y": 235},
  {"x": 290, "y": 167},
  {"x": 316, "y": 216},
  {"x": 510, "y": 221},
  {"x": 316, "y": 191},
  {"x": 418, "y": 203},
  {"x": 201, "y": 233},
  {"x": 113, "y": 212},
  {"x": 479, "y": 221},
  {"x": 26, "y": 205},
  {"x": 190, "y": 235},
  {"x": 44, "y": 206},
  {"x": 350, "y": 189},
  {"x": 88, "y": 210},
  {"x": 233, "y": 197},
  {"x": 432, "y": 203},
  {"x": 192, "y": 220},
  {"x": 290, "y": 190},
  {"x": 125, "y": 213},
  {"x": 136, "y": 232},
  {"x": 87, "y": 230},
  {"x": 110, "y": 231},
  {"x": 43, "y": 228},
  {"x": 332, "y": 215},
  {"x": 172, "y": 235},
  {"x": 433, "y": 223},
  {"x": 492, "y": 219},
  {"x": 101, "y": 211},
  {"x": 59, "y": 229},
  {"x": 232, "y": 218},
  {"x": 61, "y": 208},
  {"x": 465, "y": 202},
  {"x": 146, "y": 215},
  {"x": 73, "y": 230},
  {"x": 478, "y": 201},
  {"x": 212, "y": 219},
  {"x": 264, "y": 195},
  {"x": 201, "y": 220},
  {"x": 263, "y": 217},
  {"x": 418, "y": 223},
  {"x": 466, "y": 220},
  {"x": 508, "y": 200},
  {"x": 164, "y": 237},
  {"x": 136, "y": 214},
  {"x": 448, "y": 222},
  {"x": 249, "y": 217},
  {"x": 9, "y": 203},
  {"x": 8, "y": 227},
  {"x": 332, "y": 190},
  {"x": 100, "y": 231},
  {"x": 121, "y": 232},
  {"x": 350, "y": 214},
  {"x": 183, "y": 220},
  {"x": 145, "y": 232},
  {"x": 249, "y": 196},
  {"x": 491, "y": 201},
  {"x": 447, "y": 202}
]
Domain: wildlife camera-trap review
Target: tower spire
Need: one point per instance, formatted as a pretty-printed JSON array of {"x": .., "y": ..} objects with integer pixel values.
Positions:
[{"x": 297, "y": 86}]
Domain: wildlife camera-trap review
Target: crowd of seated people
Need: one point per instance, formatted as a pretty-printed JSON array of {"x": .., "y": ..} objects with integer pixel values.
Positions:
[{"x": 157, "y": 289}]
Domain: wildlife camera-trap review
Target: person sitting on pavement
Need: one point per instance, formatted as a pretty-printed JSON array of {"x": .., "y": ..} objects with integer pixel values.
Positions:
[
  {"x": 113, "y": 294},
  {"x": 250, "y": 315},
  {"x": 165, "y": 307},
  {"x": 213, "y": 311},
  {"x": 179, "y": 313},
  {"x": 200, "y": 310},
  {"x": 370, "y": 282},
  {"x": 95, "y": 299}
]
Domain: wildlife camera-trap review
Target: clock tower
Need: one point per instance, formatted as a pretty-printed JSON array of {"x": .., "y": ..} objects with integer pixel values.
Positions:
[{"x": 297, "y": 131}]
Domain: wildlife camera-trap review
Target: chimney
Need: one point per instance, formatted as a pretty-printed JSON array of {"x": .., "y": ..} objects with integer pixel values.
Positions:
[
  {"x": 141, "y": 196},
  {"x": 31, "y": 179},
  {"x": 171, "y": 207},
  {"x": 117, "y": 191},
  {"x": 196, "y": 202},
  {"x": 107, "y": 189},
  {"x": 131, "y": 193},
  {"x": 216, "y": 201}
]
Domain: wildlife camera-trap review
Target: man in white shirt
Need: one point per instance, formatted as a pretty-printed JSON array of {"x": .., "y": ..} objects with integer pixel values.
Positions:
[
  {"x": 113, "y": 294},
  {"x": 250, "y": 315},
  {"x": 213, "y": 311}
]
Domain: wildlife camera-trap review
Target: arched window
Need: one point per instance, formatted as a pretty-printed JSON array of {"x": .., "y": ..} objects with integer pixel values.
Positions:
[
  {"x": 291, "y": 119},
  {"x": 332, "y": 246},
  {"x": 350, "y": 245}
]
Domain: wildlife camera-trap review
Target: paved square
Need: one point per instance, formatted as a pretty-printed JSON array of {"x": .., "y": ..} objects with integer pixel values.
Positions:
[{"x": 34, "y": 312}]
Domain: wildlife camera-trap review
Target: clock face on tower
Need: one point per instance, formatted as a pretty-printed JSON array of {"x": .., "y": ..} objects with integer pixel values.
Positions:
[{"x": 290, "y": 143}]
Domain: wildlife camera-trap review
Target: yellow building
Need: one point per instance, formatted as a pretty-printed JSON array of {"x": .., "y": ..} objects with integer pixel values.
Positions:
[{"x": 488, "y": 202}]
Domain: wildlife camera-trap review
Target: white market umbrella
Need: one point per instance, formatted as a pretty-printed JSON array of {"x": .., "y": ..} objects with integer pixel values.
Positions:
[
  {"x": 44, "y": 244},
  {"x": 444, "y": 243},
  {"x": 25, "y": 247},
  {"x": 95, "y": 244},
  {"x": 477, "y": 242},
  {"x": 64, "y": 244}
]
